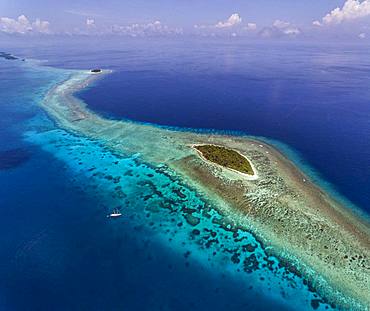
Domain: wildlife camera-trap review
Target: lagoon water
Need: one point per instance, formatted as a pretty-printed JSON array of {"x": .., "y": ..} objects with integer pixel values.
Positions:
[{"x": 59, "y": 252}]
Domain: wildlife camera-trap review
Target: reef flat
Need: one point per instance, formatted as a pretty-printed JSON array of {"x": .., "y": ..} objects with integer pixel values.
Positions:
[{"x": 295, "y": 220}]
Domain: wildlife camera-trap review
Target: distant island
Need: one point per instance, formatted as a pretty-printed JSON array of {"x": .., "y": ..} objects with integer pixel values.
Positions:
[
  {"x": 8, "y": 56},
  {"x": 225, "y": 157},
  {"x": 96, "y": 70}
]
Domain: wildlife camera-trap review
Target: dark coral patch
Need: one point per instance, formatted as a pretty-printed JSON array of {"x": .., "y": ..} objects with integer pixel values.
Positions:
[
  {"x": 249, "y": 248},
  {"x": 12, "y": 158},
  {"x": 315, "y": 303},
  {"x": 250, "y": 263},
  {"x": 192, "y": 220}
]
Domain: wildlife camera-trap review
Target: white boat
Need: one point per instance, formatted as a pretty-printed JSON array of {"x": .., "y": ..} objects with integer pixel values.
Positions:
[{"x": 115, "y": 214}]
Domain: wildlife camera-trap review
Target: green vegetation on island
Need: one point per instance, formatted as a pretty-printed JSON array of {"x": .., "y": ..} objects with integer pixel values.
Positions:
[{"x": 226, "y": 157}]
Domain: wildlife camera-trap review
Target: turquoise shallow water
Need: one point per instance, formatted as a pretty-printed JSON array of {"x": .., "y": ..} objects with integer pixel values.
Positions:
[
  {"x": 161, "y": 210},
  {"x": 171, "y": 249}
]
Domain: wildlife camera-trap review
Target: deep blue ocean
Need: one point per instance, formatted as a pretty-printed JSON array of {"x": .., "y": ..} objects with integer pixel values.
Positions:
[{"x": 59, "y": 252}]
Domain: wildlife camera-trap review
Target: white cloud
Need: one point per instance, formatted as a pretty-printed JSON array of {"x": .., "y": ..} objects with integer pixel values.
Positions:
[
  {"x": 19, "y": 25},
  {"x": 362, "y": 35},
  {"x": 149, "y": 29},
  {"x": 351, "y": 10},
  {"x": 82, "y": 13},
  {"x": 22, "y": 25},
  {"x": 233, "y": 26},
  {"x": 316, "y": 23},
  {"x": 280, "y": 24},
  {"x": 251, "y": 26},
  {"x": 232, "y": 21},
  {"x": 286, "y": 27},
  {"x": 90, "y": 22},
  {"x": 292, "y": 31},
  {"x": 280, "y": 29},
  {"x": 41, "y": 26}
]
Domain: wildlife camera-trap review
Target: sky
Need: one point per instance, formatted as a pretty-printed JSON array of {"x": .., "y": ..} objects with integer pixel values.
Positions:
[{"x": 258, "y": 18}]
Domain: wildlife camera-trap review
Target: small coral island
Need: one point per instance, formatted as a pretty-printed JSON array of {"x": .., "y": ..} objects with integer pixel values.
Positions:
[{"x": 226, "y": 157}]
